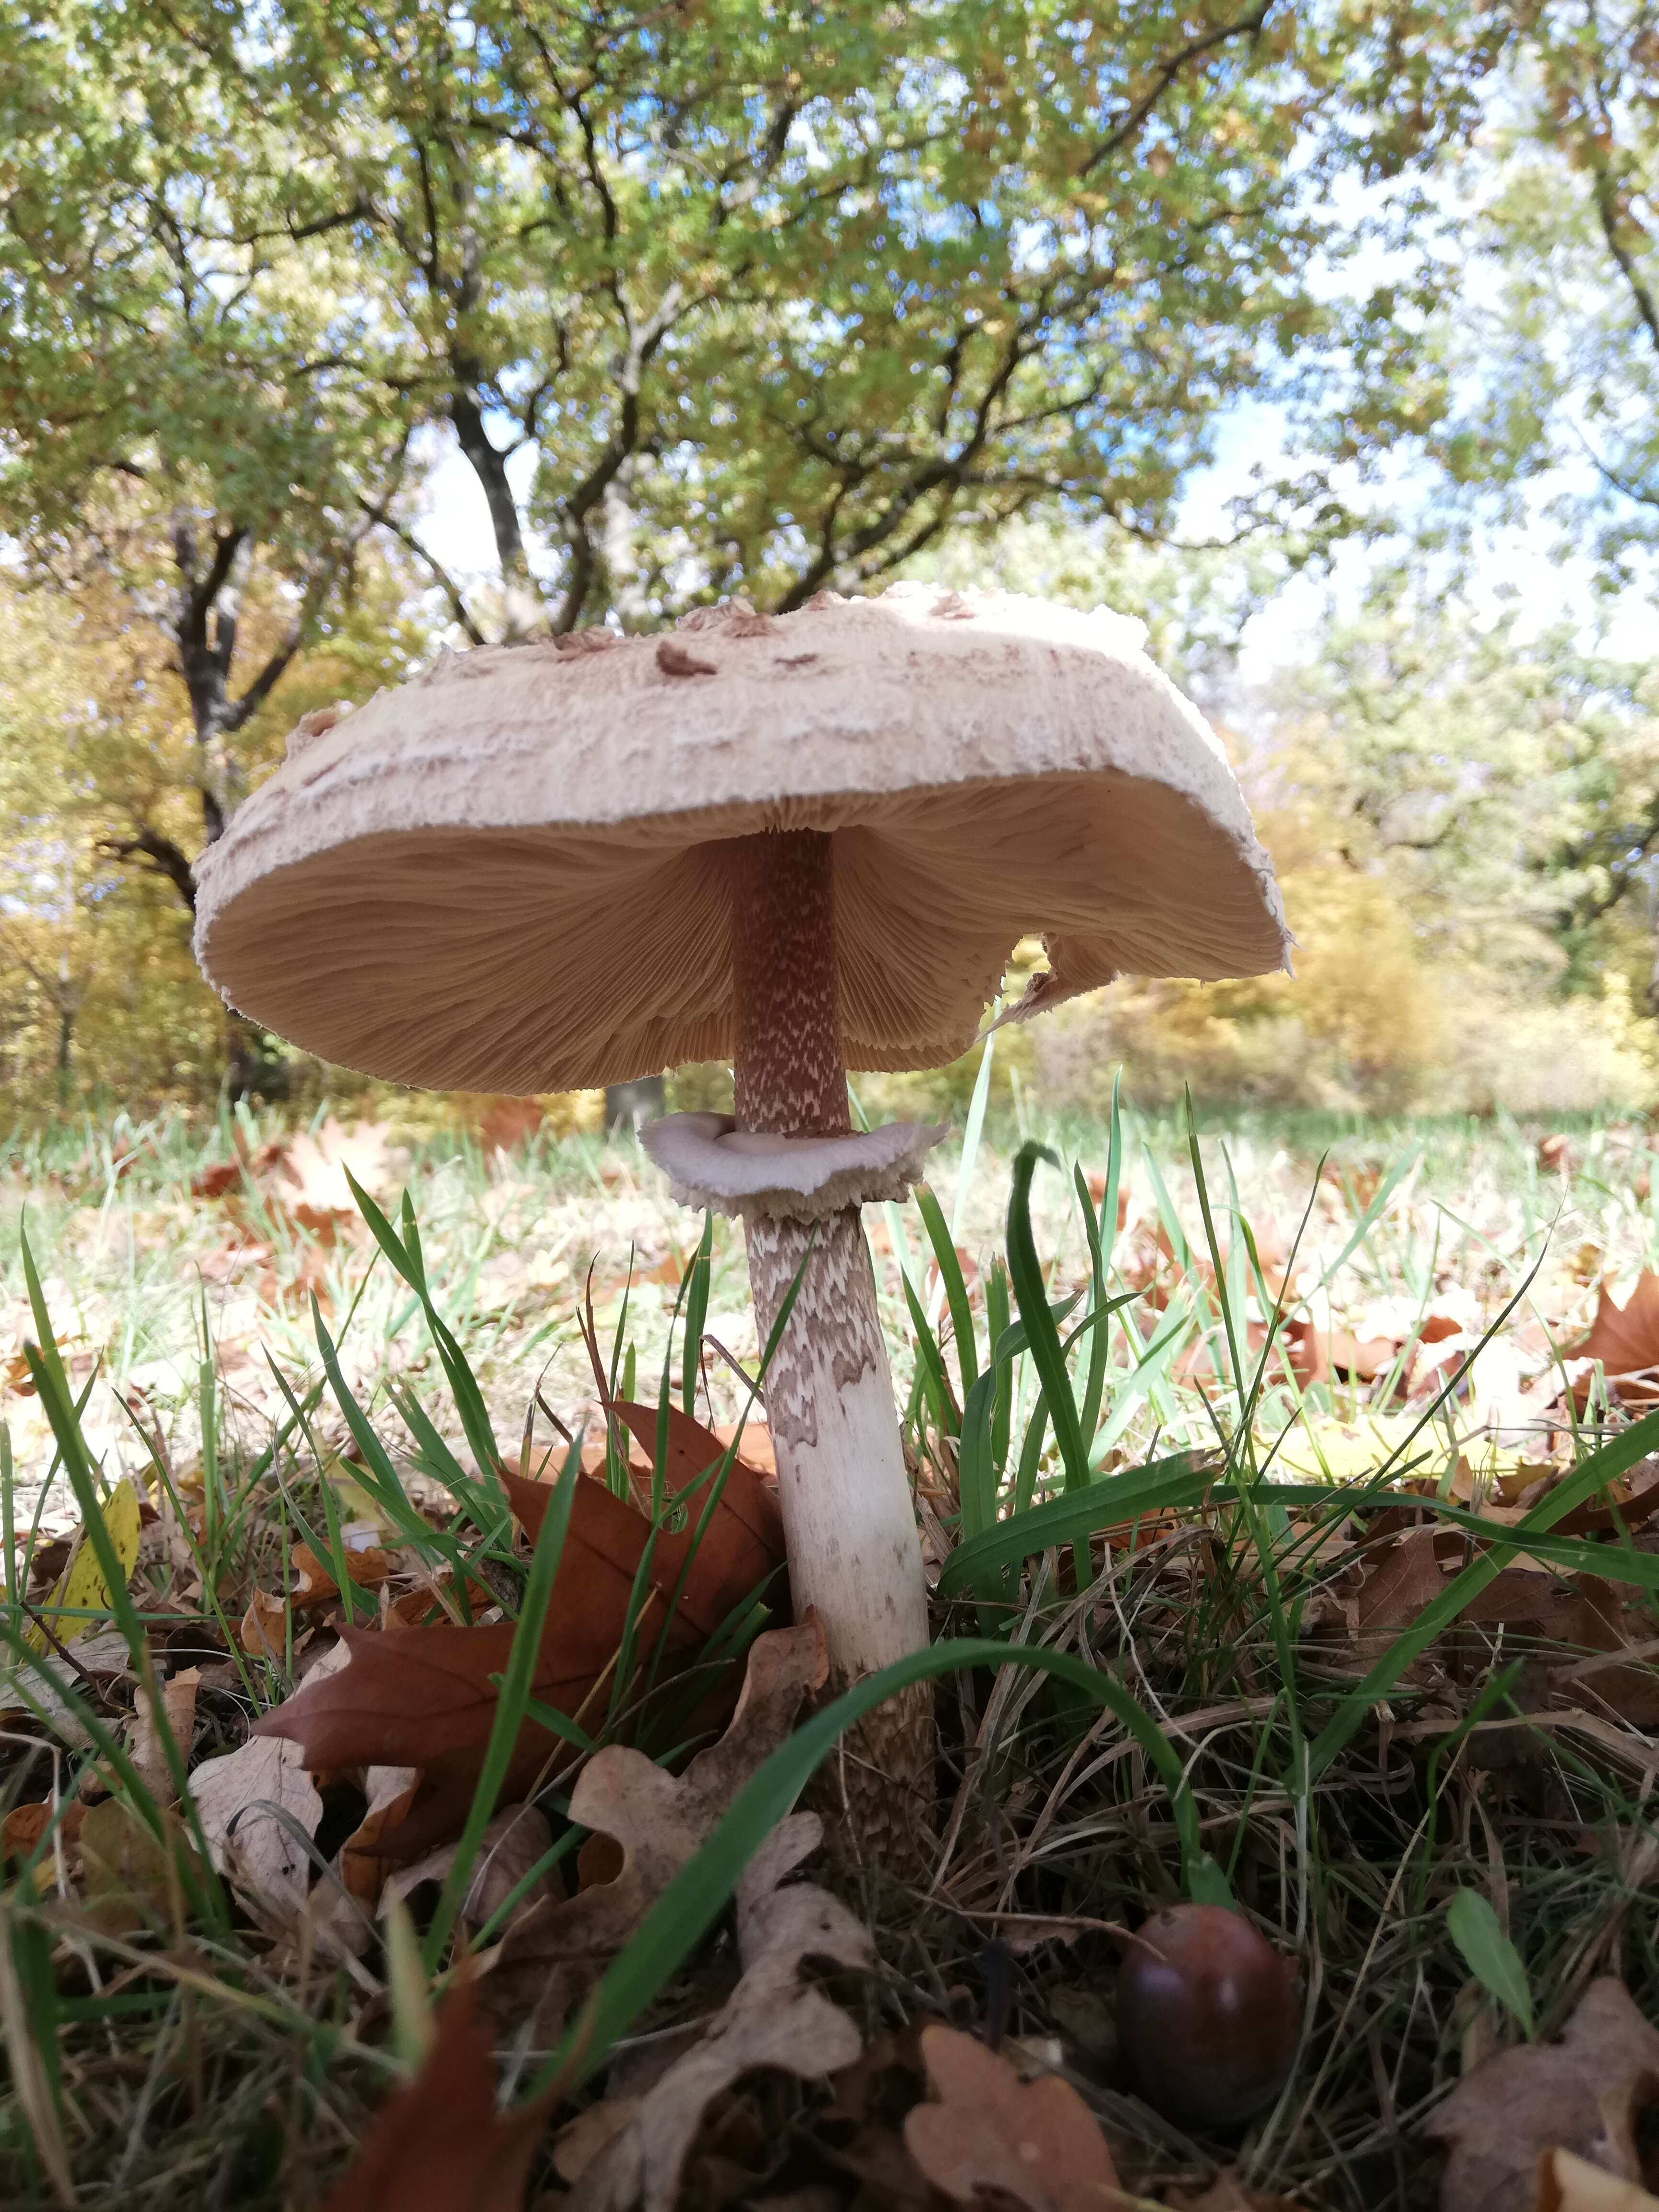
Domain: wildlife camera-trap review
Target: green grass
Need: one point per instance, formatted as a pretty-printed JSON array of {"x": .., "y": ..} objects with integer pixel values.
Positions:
[{"x": 1118, "y": 1720}]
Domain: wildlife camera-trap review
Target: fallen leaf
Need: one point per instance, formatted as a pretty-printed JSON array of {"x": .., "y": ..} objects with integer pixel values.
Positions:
[
  {"x": 754, "y": 1442},
  {"x": 41, "y": 1689},
  {"x": 1395, "y": 1579},
  {"x": 746, "y": 1534},
  {"x": 364, "y": 1863},
  {"x": 47, "y": 1561},
  {"x": 986, "y": 2131},
  {"x": 1569, "y": 2183},
  {"x": 1360, "y": 1361},
  {"x": 425, "y": 1696},
  {"x": 129, "y": 1873},
  {"x": 228, "y": 1177},
  {"x": 441, "y": 2144},
  {"x": 24, "y": 1826},
  {"x": 1580, "y": 2095},
  {"x": 655, "y": 1823},
  {"x": 502, "y": 1124},
  {"x": 263, "y": 1631},
  {"x": 365, "y": 1565},
  {"x": 1321, "y": 1449},
  {"x": 515, "y": 1841},
  {"x": 1616, "y": 1679},
  {"x": 1632, "y": 1502},
  {"x": 83, "y": 1592},
  {"x": 250, "y": 1803},
  {"x": 591, "y": 2134},
  {"x": 1626, "y": 1339},
  {"x": 771, "y": 2020},
  {"x": 177, "y": 1703},
  {"x": 215, "y": 1181},
  {"x": 1226, "y": 2194},
  {"x": 311, "y": 1175}
]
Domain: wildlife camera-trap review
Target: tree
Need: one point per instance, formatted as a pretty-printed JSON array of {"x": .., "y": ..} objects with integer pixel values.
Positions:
[
  {"x": 175, "y": 424},
  {"x": 1523, "y": 359},
  {"x": 95, "y": 959},
  {"x": 773, "y": 300},
  {"x": 1570, "y": 218},
  {"x": 1506, "y": 779},
  {"x": 715, "y": 298},
  {"x": 710, "y": 298},
  {"x": 98, "y": 987}
]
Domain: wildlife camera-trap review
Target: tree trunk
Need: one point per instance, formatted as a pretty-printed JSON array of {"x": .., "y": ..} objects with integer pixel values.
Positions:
[{"x": 65, "y": 1037}]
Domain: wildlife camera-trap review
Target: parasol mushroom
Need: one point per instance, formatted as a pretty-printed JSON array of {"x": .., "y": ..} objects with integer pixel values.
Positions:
[{"x": 801, "y": 842}]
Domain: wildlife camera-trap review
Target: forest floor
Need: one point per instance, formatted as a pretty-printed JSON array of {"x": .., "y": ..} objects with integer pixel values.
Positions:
[{"x": 1331, "y": 1598}]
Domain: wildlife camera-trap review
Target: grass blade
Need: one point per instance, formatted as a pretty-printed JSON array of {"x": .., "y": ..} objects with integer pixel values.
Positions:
[
  {"x": 930, "y": 1366},
  {"x": 974, "y": 1127},
  {"x": 511, "y": 1706},
  {"x": 1172, "y": 1484},
  {"x": 956, "y": 1289},
  {"x": 1031, "y": 1293},
  {"x": 1490, "y": 1957},
  {"x": 696, "y": 1314}
]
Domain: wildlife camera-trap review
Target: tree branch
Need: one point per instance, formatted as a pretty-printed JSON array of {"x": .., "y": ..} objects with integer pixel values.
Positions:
[
  {"x": 1247, "y": 26},
  {"x": 156, "y": 855}
]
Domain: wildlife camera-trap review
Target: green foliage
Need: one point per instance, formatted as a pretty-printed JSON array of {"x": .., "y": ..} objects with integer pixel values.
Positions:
[
  {"x": 1560, "y": 361},
  {"x": 101, "y": 808},
  {"x": 1463, "y": 812},
  {"x": 773, "y": 299},
  {"x": 776, "y": 297}
]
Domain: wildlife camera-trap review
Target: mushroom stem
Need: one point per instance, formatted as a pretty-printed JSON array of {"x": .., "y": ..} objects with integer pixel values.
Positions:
[{"x": 848, "y": 1518}]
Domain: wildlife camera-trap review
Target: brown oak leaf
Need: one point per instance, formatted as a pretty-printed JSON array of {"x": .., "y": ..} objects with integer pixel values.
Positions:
[
  {"x": 653, "y": 1822},
  {"x": 1566, "y": 2183},
  {"x": 1226, "y": 2194},
  {"x": 986, "y": 2130},
  {"x": 439, "y": 2144},
  {"x": 771, "y": 2020},
  {"x": 1626, "y": 1339},
  {"x": 1580, "y": 2095},
  {"x": 512, "y": 1846},
  {"x": 425, "y": 1696}
]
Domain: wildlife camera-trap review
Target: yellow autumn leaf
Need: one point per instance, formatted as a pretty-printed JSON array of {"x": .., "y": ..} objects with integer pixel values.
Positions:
[
  {"x": 1325, "y": 1450},
  {"x": 82, "y": 1593}
]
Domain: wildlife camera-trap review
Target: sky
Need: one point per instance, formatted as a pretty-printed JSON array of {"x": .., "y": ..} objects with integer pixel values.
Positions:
[{"x": 1522, "y": 559}]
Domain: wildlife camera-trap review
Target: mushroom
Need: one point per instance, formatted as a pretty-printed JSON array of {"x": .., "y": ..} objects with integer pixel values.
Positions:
[{"x": 801, "y": 842}]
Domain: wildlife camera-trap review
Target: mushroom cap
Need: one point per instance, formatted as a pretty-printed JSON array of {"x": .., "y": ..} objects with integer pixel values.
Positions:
[{"x": 509, "y": 874}]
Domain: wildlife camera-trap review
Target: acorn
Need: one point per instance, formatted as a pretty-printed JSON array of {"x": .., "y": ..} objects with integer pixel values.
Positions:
[{"x": 1208, "y": 2015}]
